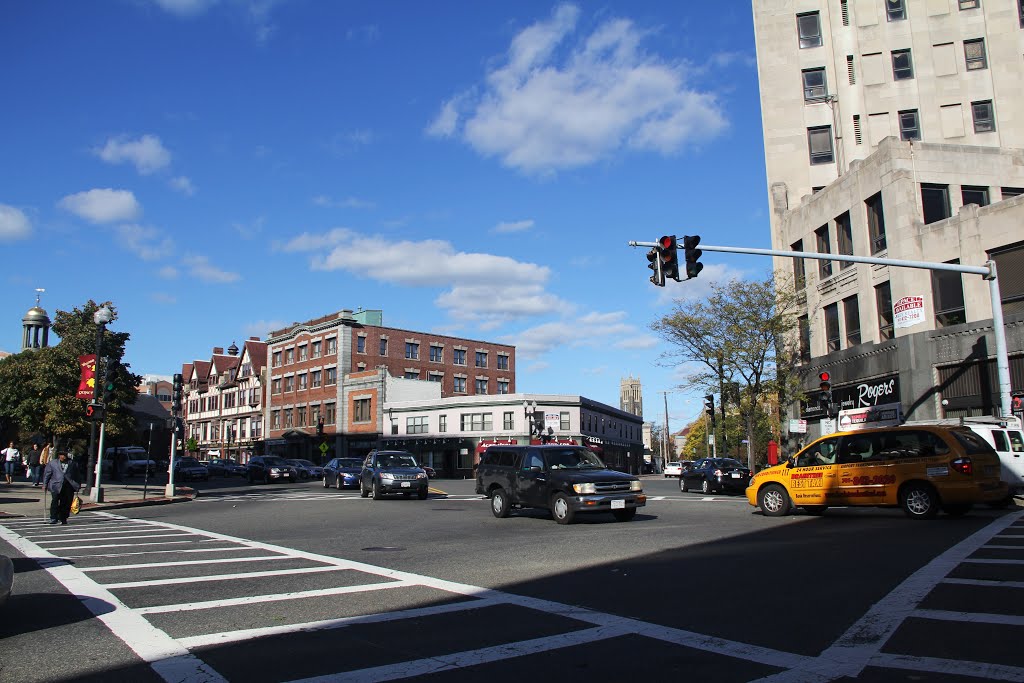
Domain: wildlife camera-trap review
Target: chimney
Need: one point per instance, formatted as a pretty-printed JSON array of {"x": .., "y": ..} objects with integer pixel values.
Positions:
[
  {"x": 254, "y": 338},
  {"x": 218, "y": 350}
]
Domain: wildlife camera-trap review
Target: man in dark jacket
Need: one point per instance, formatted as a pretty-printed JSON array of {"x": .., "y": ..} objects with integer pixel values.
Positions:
[
  {"x": 62, "y": 479},
  {"x": 32, "y": 459}
]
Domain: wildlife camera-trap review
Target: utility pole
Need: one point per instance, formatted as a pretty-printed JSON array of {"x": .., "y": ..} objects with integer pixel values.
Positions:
[{"x": 665, "y": 451}]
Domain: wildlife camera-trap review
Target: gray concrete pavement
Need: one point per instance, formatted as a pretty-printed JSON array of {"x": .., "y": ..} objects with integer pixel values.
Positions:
[{"x": 21, "y": 499}]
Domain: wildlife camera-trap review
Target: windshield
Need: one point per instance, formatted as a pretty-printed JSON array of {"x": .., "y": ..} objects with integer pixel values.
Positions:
[
  {"x": 572, "y": 458},
  {"x": 277, "y": 462},
  {"x": 304, "y": 463},
  {"x": 726, "y": 462},
  {"x": 189, "y": 461},
  {"x": 350, "y": 463},
  {"x": 396, "y": 461}
]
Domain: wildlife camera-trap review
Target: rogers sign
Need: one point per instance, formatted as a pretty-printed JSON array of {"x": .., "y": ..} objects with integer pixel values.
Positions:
[{"x": 863, "y": 395}]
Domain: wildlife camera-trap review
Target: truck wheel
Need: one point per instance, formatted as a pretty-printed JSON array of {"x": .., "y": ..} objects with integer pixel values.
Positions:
[
  {"x": 363, "y": 493},
  {"x": 500, "y": 503},
  {"x": 919, "y": 501},
  {"x": 377, "y": 493},
  {"x": 561, "y": 510},
  {"x": 773, "y": 501},
  {"x": 624, "y": 515}
]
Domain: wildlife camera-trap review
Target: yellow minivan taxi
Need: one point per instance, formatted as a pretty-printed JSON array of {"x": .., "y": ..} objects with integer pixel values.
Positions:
[{"x": 921, "y": 469}]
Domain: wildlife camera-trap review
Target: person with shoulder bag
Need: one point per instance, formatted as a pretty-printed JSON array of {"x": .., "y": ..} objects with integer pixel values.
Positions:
[{"x": 62, "y": 479}]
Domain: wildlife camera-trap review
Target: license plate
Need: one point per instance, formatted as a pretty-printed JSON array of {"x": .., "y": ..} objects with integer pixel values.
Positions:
[
  {"x": 736, "y": 475},
  {"x": 618, "y": 505},
  {"x": 406, "y": 484}
]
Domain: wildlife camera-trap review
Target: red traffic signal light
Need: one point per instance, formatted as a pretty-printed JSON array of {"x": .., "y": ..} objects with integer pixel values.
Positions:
[
  {"x": 826, "y": 383},
  {"x": 669, "y": 257},
  {"x": 94, "y": 412}
]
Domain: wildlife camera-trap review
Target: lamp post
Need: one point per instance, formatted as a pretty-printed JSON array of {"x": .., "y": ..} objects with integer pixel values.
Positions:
[
  {"x": 100, "y": 318},
  {"x": 529, "y": 408}
]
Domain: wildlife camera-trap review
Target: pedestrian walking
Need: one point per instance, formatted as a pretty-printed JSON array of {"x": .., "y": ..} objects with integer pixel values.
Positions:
[
  {"x": 34, "y": 465},
  {"x": 62, "y": 479},
  {"x": 12, "y": 462}
]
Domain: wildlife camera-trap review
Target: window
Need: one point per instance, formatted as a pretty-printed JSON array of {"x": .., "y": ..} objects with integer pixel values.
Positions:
[
  {"x": 436, "y": 354},
  {"x": 809, "y": 28},
  {"x": 948, "y": 294},
  {"x": 563, "y": 421},
  {"x": 481, "y": 359},
  {"x": 1009, "y": 192},
  {"x": 330, "y": 413},
  {"x": 844, "y": 233},
  {"x": 442, "y": 423},
  {"x": 832, "y": 327},
  {"x": 361, "y": 344},
  {"x": 277, "y": 359},
  {"x": 302, "y": 352},
  {"x": 459, "y": 356},
  {"x": 412, "y": 374},
  {"x": 804, "y": 326},
  {"x": 876, "y": 222},
  {"x": 851, "y": 74},
  {"x": 824, "y": 247},
  {"x": 300, "y": 417},
  {"x": 289, "y": 356},
  {"x": 845, "y": 12},
  {"x": 275, "y": 419},
  {"x": 1010, "y": 266},
  {"x": 507, "y": 421},
  {"x": 883, "y": 302},
  {"x": 317, "y": 348},
  {"x": 289, "y": 383},
  {"x": 910, "y": 129},
  {"x": 974, "y": 195},
  {"x": 851, "y": 316},
  {"x": 858, "y": 134},
  {"x": 435, "y": 377},
  {"x": 459, "y": 385},
  {"x": 475, "y": 422},
  {"x": 302, "y": 381},
  {"x": 288, "y": 418},
  {"x": 332, "y": 346},
  {"x": 361, "y": 410},
  {"x": 416, "y": 425},
  {"x": 969, "y": 4},
  {"x": 1020, "y": 12},
  {"x": 315, "y": 378},
  {"x": 934, "y": 202},
  {"x": 502, "y": 361},
  {"x": 974, "y": 54},
  {"x": 331, "y": 376},
  {"x": 275, "y": 385},
  {"x": 412, "y": 350},
  {"x": 902, "y": 66},
  {"x": 481, "y": 385},
  {"x": 895, "y": 10},
  {"x": 984, "y": 119},
  {"x": 502, "y": 386},
  {"x": 815, "y": 84},
  {"x": 799, "y": 276},
  {"x": 819, "y": 142},
  {"x": 314, "y": 413},
  {"x": 383, "y": 346}
]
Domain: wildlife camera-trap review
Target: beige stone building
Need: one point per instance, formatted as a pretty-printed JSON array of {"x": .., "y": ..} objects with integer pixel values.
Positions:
[{"x": 895, "y": 129}]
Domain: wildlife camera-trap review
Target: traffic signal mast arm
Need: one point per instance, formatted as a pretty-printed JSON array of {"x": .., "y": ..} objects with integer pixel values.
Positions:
[{"x": 988, "y": 271}]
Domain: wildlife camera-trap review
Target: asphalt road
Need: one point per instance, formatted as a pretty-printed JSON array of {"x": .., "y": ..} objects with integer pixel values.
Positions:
[{"x": 299, "y": 583}]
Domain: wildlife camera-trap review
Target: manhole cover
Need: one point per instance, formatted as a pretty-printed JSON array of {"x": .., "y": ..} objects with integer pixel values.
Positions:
[{"x": 383, "y": 549}]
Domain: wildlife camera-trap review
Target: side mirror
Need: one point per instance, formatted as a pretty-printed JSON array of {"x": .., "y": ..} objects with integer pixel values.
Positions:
[{"x": 791, "y": 463}]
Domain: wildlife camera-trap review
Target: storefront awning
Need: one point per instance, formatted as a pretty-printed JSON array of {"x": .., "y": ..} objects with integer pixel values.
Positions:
[{"x": 482, "y": 446}]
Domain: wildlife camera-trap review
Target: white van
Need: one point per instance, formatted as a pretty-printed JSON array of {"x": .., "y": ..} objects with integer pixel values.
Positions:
[
  {"x": 1006, "y": 436},
  {"x": 131, "y": 460}
]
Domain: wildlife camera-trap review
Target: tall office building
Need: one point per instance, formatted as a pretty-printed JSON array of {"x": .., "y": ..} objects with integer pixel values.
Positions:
[
  {"x": 631, "y": 396},
  {"x": 894, "y": 129}
]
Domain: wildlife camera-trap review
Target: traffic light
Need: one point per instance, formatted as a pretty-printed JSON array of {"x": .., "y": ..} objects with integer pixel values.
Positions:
[
  {"x": 109, "y": 371},
  {"x": 691, "y": 254},
  {"x": 669, "y": 258},
  {"x": 94, "y": 412},
  {"x": 176, "y": 386},
  {"x": 826, "y": 387},
  {"x": 654, "y": 256},
  {"x": 709, "y": 406}
]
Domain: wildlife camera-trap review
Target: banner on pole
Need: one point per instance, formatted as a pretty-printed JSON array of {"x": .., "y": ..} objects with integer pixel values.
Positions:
[{"x": 87, "y": 384}]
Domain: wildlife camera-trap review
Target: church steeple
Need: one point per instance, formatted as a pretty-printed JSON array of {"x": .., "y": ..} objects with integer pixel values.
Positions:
[{"x": 35, "y": 327}]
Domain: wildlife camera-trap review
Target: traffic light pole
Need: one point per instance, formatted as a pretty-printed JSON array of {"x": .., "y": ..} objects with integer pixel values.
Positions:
[{"x": 988, "y": 271}]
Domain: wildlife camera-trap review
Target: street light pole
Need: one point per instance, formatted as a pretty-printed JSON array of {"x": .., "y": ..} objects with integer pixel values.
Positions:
[{"x": 100, "y": 318}]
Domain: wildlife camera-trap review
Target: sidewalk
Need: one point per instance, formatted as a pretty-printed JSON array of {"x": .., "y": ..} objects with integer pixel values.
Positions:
[{"x": 21, "y": 499}]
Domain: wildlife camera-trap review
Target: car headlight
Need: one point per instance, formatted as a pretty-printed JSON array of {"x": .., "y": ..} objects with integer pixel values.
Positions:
[
  {"x": 584, "y": 489},
  {"x": 636, "y": 485},
  {"x": 387, "y": 476},
  {"x": 421, "y": 475},
  {"x": 275, "y": 470}
]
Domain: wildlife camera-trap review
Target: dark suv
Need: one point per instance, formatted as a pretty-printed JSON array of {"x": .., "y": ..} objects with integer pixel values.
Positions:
[
  {"x": 392, "y": 472},
  {"x": 268, "y": 468},
  {"x": 563, "y": 479}
]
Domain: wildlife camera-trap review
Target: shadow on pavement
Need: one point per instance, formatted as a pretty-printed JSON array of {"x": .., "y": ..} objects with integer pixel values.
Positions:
[{"x": 29, "y": 612}]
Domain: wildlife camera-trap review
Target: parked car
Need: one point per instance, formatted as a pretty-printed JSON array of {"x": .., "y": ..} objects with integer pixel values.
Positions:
[
  {"x": 306, "y": 469},
  {"x": 129, "y": 461},
  {"x": 392, "y": 472},
  {"x": 566, "y": 480},
  {"x": 715, "y": 474},
  {"x": 342, "y": 472},
  {"x": 268, "y": 468},
  {"x": 190, "y": 469},
  {"x": 431, "y": 473},
  {"x": 223, "y": 467},
  {"x": 920, "y": 468},
  {"x": 673, "y": 469}
]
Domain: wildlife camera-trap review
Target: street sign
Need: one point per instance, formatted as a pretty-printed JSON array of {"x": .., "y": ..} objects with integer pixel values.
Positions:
[
  {"x": 324, "y": 448},
  {"x": 94, "y": 412},
  {"x": 798, "y": 426}
]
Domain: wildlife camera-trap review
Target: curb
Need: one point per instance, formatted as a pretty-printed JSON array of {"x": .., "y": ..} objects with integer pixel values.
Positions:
[{"x": 142, "y": 502}]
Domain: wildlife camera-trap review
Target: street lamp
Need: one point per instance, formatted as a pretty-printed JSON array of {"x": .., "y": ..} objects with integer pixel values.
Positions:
[
  {"x": 100, "y": 317},
  {"x": 529, "y": 408}
]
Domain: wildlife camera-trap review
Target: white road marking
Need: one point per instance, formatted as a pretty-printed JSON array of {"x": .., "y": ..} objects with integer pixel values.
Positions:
[
  {"x": 971, "y": 617},
  {"x": 221, "y": 577},
  {"x": 128, "y": 545},
  {"x": 126, "y": 538},
  {"x": 986, "y": 582},
  {"x": 984, "y": 561},
  {"x": 185, "y": 563},
  {"x": 952, "y": 667},
  {"x": 157, "y": 552}
]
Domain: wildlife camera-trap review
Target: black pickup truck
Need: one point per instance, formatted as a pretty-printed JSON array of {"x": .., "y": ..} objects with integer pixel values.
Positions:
[{"x": 563, "y": 479}]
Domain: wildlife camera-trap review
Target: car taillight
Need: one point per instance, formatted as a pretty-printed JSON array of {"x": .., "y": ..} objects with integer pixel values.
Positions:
[{"x": 963, "y": 466}]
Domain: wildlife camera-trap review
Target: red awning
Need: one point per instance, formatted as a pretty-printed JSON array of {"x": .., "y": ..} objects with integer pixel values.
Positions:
[{"x": 482, "y": 446}]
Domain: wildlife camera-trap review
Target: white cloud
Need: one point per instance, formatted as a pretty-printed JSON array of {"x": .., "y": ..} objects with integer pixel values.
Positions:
[
  {"x": 102, "y": 205},
  {"x": 14, "y": 224},
  {"x": 593, "y": 330},
  {"x": 185, "y": 8},
  {"x": 637, "y": 341},
  {"x": 168, "y": 272},
  {"x": 183, "y": 185},
  {"x": 482, "y": 288},
  {"x": 147, "y": 243},
  {"x": 147, "y": 153},
  {"x": 201, "y": 268},
  {"x": 560, "y": 100},
  {"x": 261, "y": 328},
  {"x": 163, "y": 298},
  {"x": 250, "y": 230},
  {"x": 515, "y": 226},
  {"x": 346, "y": 203}
]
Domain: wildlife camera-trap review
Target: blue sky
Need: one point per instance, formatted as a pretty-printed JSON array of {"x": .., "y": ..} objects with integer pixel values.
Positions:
[{"x": 219, "y": 168}]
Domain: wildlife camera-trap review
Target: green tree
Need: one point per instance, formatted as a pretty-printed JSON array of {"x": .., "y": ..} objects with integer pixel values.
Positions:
[
  {"x": 741, "y": 334},
  {"x": 38, "y": 388}
]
